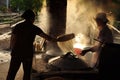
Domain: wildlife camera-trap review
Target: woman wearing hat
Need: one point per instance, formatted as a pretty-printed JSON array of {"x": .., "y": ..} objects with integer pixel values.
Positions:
[{"x": 104, "y": 36}]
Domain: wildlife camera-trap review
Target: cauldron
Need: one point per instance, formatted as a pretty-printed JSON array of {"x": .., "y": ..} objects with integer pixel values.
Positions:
[
  {"x": 68, "y": 62},
  {"x": 69, "y": 67}
]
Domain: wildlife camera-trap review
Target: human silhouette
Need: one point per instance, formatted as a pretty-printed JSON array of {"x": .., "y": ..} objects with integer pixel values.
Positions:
[
  {"x": 22, "y": 38},
  {"x": 105, "y": 36}
]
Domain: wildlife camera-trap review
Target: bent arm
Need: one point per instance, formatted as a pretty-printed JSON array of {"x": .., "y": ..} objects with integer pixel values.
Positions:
[
  {"x": 92, "y": 49},
  {"x": 12, "y": 41}
]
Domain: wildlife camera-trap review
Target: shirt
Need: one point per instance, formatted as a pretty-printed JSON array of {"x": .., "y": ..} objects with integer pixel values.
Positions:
[{"x": 25, "y": 35}]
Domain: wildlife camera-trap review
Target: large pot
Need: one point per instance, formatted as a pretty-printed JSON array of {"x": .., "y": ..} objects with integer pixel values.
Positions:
[{"x": 67, "y": 62}]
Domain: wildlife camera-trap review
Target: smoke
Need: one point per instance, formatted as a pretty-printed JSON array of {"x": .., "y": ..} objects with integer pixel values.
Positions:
[
  {"x": 43, "y": 18},
  {"x": 80, "y": 20}
]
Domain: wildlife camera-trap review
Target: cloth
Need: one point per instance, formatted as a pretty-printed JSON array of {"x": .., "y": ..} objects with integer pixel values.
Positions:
[
  {"x": 24, "y": 37},
  {"x": 105, "y": 36}
]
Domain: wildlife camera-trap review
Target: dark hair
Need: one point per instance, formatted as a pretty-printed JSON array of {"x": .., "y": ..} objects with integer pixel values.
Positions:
[
  {"x": 28, "y": 14},
  {"x": 102, "y": 17}
]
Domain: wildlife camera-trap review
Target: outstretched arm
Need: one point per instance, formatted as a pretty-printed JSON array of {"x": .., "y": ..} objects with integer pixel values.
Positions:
[
  {"x": 92, "y": 49},
  {"x": 85, "y": 51}
]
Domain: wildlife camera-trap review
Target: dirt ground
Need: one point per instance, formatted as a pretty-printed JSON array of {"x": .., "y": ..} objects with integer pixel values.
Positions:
[
  {"x": 4, "y": 69},
  {"x": 38, "y": 64}
]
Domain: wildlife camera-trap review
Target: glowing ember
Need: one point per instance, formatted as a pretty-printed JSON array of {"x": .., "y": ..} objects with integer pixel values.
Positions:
[
  {"x": 78, "y": 48},
  {"x": 77, "y": 51}
]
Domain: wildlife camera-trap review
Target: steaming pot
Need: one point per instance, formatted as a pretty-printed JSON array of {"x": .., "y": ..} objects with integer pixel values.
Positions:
[{"x": 67, "y": 62}]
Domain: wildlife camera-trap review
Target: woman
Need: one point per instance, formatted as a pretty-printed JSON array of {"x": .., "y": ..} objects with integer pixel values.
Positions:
[{"x": 105, "y": 36}]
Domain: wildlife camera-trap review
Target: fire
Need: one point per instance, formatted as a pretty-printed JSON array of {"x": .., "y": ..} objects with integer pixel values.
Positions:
[
  {"x": 79, "y": 44},
  {"x": 78, "y": 48}
]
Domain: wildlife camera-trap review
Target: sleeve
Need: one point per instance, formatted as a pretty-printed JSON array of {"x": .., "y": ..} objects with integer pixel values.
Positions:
[
  {"x": 106, "y": 36},
  {"x": 14, "y": 29},
  {"x": 38, "y": 30}
]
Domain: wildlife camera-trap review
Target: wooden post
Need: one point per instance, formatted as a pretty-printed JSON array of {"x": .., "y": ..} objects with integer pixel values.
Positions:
[{"x": 57, "y": 21}]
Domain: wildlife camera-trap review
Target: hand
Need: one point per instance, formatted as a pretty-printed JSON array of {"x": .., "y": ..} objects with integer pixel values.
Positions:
[
  {"x": 84, "y": 52},
  {"x": 66, "y": 37}
]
